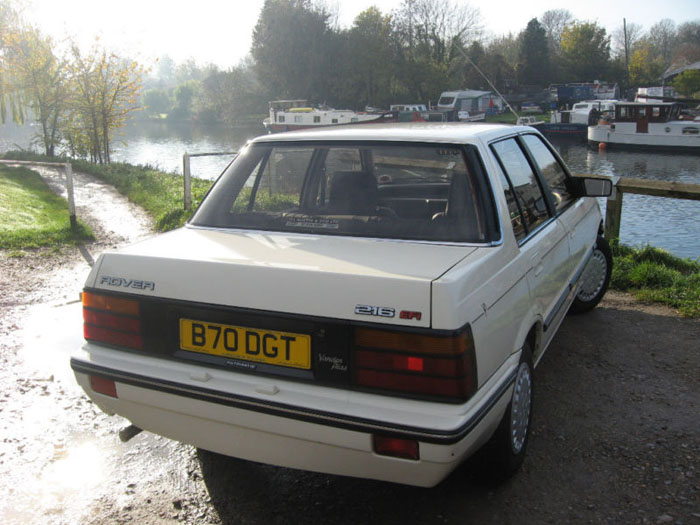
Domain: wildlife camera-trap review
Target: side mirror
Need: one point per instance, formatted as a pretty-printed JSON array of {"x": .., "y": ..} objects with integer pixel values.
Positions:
[{"x": 595, "y": 187}]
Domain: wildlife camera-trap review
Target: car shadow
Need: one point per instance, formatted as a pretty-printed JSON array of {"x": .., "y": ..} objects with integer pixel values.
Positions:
[{"x": 607, "y": 387}]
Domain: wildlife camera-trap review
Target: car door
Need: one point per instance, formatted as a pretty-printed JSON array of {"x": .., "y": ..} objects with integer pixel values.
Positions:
[
  {"x": 542, "y": 239},
  {"x": 576, "y": 214}
]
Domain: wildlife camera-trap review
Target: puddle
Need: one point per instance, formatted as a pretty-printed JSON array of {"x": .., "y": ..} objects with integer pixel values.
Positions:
[{"x": 51, "y": 334}]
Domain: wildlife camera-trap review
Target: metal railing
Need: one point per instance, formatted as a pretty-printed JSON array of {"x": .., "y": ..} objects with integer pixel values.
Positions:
[{"x": 187, "y": 176}]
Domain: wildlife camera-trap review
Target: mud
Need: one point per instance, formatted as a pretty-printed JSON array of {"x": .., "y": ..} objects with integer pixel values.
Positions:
[{"x": 616, "y": 437}]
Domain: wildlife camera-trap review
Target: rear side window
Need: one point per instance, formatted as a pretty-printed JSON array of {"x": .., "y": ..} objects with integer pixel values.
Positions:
[
  {"x": 383, "y": 190},
  {"x": 556, "y": 178},
  {"x": 523, "y": 183}
]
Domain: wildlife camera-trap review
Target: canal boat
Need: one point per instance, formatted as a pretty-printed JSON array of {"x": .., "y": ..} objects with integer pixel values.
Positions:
[
  {"x": 575, "y": 121},
  {"x": 289, "y": 115},
  {"x": 648, "y": 125}
]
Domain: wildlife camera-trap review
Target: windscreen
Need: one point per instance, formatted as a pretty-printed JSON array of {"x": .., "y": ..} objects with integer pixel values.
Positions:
[{"x": 379, "y": 190}]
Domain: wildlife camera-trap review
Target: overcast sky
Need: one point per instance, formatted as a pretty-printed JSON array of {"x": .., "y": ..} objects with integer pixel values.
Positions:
[{"x": 219, "y": 31}]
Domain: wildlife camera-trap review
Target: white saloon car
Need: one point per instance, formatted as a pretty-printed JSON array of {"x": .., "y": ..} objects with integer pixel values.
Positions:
[{"x": 364, "y": 300}]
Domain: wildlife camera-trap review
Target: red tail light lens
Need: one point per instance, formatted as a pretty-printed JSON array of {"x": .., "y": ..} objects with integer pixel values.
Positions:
[
  {"x": 103, "y": 386},
  {"x": 433, "y": 365},
  {"x": 112, "y": 320},
  {"x": 395, "y": 447}
]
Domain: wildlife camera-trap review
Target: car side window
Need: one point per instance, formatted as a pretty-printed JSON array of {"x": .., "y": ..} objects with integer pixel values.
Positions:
[
  {"x": 516, "y": 216},
  {"x": 551, "y": 170},
  {"x": 523, "y": 182}
]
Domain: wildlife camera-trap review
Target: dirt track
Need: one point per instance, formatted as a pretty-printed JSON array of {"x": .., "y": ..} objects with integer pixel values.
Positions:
[{"x": 616, "y": 432}]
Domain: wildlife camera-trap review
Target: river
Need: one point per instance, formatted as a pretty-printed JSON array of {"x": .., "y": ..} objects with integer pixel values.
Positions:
[{"x": 670, "y": 224}]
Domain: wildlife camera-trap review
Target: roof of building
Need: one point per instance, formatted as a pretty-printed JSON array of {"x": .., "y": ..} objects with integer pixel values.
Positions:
[{"x": 678, "y": 70}]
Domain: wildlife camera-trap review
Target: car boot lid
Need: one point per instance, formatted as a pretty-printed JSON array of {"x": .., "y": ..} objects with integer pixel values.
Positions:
[{"x": 368, "y": 280}]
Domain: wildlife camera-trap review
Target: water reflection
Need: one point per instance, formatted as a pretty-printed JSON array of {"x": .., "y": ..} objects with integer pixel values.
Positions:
[
  {"x": 671, "y": 224},
  {"x": 162, "y": 145}
]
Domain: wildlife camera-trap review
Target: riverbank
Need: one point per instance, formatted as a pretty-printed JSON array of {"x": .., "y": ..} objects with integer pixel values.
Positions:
[{"x": 650, "y": 274}]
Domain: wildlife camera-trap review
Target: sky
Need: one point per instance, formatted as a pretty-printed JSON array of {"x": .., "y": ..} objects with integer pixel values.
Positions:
[{"x": 219, "y": 31}]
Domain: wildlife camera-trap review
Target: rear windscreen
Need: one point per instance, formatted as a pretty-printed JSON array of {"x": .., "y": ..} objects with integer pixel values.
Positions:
[{"x": 380, "y": 190}]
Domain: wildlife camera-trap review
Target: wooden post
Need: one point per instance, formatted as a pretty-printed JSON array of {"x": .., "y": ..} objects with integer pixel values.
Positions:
[
  {"x": 613, "y": 211},
  {"x": 188, "y": 185},
  {"x": 71, "y": 199}
]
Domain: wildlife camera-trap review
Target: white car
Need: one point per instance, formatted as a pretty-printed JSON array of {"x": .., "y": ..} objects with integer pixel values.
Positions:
[{"x": 364, "y": 300}]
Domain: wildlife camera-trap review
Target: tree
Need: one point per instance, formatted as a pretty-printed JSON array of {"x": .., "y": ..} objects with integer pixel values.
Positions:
[
  {"x": 687, "y": 83},
  {"x": 184, "y": 96},
  {"x": 624, "y": 42},
  {"x": 533, "y": 56},
  {"x": 227, "y": 96},
  {"x": 290, "y": 47},
  {"x": 369, "y": 59},
  {"x": 644, "y": 68},
  {"x": 157, "y": 102},
  {"x": 688, "y": 44},
  {"x": 662, "y": 37},
  {"x": 585, "y": 51},
  {"x": 37, "y": 78},
  {"x": 106, "y": 92},
  {"x": 554, "y": 22},
  {"x": 431, "y": 36}
]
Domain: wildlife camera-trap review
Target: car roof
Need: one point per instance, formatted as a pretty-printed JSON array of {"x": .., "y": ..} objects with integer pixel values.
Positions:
[{"x": 443, "y": 132}]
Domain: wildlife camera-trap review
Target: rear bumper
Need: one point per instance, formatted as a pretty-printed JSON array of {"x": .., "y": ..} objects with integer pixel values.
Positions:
[{"x": 325, "y": 440}]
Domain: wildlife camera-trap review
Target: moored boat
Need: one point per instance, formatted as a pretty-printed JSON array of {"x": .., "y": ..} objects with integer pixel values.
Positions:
[
  {"x": 288, "y": 115},
  {"x": 651, "y": 125},
  {"x": 575, "y": 121}
]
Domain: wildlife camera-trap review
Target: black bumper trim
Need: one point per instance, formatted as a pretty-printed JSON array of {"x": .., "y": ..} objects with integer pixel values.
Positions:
[{"x": 300, "y": 414}]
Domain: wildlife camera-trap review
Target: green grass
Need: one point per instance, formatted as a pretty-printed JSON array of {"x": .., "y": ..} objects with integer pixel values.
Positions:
[
  {"x": 654, "y": 275},
  {"x": 31, "y": 215},
  {"x": 159, "y": 193}
]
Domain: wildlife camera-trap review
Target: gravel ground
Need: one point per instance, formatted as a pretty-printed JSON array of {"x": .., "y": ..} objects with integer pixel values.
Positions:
[{"x": 616, "y": 432}]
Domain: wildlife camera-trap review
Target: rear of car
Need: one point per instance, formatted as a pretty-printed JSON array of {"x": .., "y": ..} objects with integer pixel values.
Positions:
[{"x": 336, "y": 304}]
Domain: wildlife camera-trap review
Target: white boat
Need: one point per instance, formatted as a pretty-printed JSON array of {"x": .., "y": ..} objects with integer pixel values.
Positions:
[
  {"x": 288, "y": 115},
  {"x": 648, "y": 125},
  {"x": 529, "y": 121},
  {"x": 575, "y": 121}
]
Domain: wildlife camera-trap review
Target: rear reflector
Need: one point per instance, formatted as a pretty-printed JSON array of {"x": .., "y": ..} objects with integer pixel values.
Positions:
[
  {"x": 112, "y": 320},
  {"x": 395, "y": 447},
  {"x": 416, "y": 363},
  {"x": 103, "y": 386}
]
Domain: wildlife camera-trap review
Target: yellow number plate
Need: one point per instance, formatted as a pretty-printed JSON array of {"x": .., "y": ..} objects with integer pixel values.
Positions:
[{"x": 250, "y": 344}]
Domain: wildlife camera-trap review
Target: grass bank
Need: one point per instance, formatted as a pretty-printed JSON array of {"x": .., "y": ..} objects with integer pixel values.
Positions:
[
  {"x": 656, "y": 276},
  {"x": 31, "y": 215},
  {"x": 159, "y": 193}
]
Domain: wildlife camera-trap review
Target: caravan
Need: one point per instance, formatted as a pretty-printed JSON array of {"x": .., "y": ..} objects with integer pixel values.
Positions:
[{"x": 469, "y": 104}]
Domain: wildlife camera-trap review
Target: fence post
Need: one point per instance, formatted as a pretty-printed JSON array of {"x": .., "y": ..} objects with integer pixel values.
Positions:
[
  {"x": 71, "y": 199},
  {"x": 186, "y": 176},
  {"x": 613, "y": 212}
]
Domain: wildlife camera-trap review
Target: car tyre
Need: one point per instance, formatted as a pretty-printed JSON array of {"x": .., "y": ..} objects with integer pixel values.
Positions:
[
  {"x": 595, "y": 278},
  {"x": 505, "y": 451}
]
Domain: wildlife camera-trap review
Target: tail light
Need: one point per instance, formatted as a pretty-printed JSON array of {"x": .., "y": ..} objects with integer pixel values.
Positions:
[
  {"x": 112, "y": 320},
  {"x": 431, "y": 365},
  {"x": 396, "y": 447}
]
